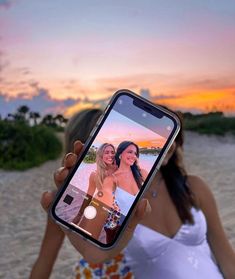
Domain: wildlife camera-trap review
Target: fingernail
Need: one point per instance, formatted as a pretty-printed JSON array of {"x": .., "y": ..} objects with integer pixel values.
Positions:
[
  {"x": 61, "y": 170},
  {"x": 69, "y": 156},
  {"x": 47, "y": 193},
  {"x": 77, "y": 142},
  {"x": 147, "y": 207}
]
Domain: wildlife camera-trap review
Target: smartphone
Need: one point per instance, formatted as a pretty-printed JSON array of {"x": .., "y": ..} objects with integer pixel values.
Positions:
[{"x": 120, "y": 158}]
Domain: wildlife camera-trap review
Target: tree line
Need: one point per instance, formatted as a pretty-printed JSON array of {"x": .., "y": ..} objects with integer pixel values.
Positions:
[
  {"x": 28, "y": 140},
  {"x": 23, "y": 114}
]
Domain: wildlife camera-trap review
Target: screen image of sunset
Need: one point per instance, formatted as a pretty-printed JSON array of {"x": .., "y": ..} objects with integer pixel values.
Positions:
[
  {"x": 61, "y": 58},
  {"x": 118, "y": 128}
]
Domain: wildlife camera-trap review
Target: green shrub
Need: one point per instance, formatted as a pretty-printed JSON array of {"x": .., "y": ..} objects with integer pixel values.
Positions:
[
  {"x": 210, "y": 124},
  {"x": 90, "y": 157},
  {"x": 22, "y": 146}
]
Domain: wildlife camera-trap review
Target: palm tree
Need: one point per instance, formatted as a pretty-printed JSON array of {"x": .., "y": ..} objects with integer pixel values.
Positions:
[
  {"x": 48, "y": 120},
  {"x": 65, "y": 121},
  {"x": 59, "y": 118},
  {"x": 22, "y": 112},
  {"x": 10, "y": 117},
  {"x": 34, "y": 115}
]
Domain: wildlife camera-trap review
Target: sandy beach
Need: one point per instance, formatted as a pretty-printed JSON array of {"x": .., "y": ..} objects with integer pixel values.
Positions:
[{"x": 22, "y": 220}]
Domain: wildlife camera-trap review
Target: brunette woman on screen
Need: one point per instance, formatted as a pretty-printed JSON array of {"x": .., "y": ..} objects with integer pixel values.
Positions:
[{"x": 123, "y": 184}]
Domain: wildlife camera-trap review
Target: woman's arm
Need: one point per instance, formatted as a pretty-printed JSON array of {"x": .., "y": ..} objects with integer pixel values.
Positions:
[
  {"x": 217, "y": 238},
  {"x": 92, "y": 184},
  {"x": 52, "y": 241}
]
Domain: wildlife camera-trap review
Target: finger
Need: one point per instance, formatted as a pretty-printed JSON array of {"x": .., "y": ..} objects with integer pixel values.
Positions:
[
  {"x": 60, "y": 175},
  {"x": 77, "y": 147},
  {"x": 70, "y": 160},
  {"x": 46, "y": 200},
  {"x": 141, "y": 211}
]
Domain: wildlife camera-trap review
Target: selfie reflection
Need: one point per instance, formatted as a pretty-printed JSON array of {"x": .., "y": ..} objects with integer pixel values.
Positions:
[
  {"x": 107, "y": 182},
  {"x": 115, "y": 180}
]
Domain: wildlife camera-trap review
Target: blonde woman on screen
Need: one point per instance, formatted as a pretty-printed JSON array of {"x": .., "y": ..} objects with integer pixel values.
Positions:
[{"x": 105, "y": 166}]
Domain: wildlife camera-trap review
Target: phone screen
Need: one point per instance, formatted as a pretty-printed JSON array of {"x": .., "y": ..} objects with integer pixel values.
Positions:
[{"x": 114, "y": 170}]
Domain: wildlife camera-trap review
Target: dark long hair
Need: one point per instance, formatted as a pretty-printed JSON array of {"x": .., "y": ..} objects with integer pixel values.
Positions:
[
  {"x": 134, "y": 168},
  {"x": 80, "y": 126},
  {"x": 175, "y": 177}
]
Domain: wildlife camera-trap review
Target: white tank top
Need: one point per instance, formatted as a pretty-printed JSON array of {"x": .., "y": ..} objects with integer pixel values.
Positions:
[
  {"x": 153, "y": 255},
  {"x": 124, "y": 200}
]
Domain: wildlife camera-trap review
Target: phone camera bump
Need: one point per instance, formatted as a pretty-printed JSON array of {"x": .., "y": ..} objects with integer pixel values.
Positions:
[
  {"x": 168, "y": 128},
  {"x": 144, "y": 114}
]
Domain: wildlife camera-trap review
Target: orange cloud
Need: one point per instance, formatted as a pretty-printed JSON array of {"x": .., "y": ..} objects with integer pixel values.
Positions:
[
  {"x": 201, "y": 93},
  {"x": 221, "y": 100},
  {"x": 156, "y": 143},
  {"x": 78, "y": 107}
]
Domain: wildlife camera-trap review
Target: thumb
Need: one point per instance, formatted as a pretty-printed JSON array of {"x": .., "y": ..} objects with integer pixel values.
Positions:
[
  {"x": 46, "y": 200},
  {"x": 141, "y": 211}
]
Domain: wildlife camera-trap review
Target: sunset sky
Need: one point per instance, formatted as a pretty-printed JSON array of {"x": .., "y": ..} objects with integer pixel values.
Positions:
[
  {"x": 183, "y": 52},
  {"x": 118, "y": 128}
]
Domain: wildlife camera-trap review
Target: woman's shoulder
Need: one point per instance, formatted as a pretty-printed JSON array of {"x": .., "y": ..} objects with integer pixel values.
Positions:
[
  {"x": 93, "y": 175},
  {"x": 195, "y": 182},
  {"x": 199, "y": 188},
  {"x": 193, "y": 179},
  {"x": 116, "y": 173}
]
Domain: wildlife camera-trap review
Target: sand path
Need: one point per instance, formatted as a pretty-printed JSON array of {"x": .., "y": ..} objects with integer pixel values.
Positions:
[{"x": 22, "y": 220}]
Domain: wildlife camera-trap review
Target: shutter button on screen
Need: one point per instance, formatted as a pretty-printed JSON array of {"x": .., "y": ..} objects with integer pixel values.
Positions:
[{"x": 90, "y": 212}]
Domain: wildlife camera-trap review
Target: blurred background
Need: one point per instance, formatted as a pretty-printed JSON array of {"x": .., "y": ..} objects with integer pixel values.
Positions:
[{"x": 58, "y": 57}]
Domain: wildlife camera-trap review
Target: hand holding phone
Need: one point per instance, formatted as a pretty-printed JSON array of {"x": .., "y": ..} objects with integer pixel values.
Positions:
[
  {"x": 119, "y": 160},
  {"x": 90, "y": 252}
]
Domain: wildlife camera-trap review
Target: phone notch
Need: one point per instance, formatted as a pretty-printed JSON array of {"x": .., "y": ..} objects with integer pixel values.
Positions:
[{"x": 148, "y": 108}]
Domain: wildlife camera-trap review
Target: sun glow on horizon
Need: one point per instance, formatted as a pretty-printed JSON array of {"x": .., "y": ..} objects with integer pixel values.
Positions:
[{"x": 203, "y": 101}]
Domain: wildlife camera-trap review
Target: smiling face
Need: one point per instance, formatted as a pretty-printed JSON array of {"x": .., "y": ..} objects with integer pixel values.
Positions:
[
  {"x": 108, "y": 155},
  {"x": 129, "y": 155}
]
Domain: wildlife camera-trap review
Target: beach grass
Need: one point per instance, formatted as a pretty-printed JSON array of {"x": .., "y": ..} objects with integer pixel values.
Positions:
[{"x": 213, "y": 123}]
